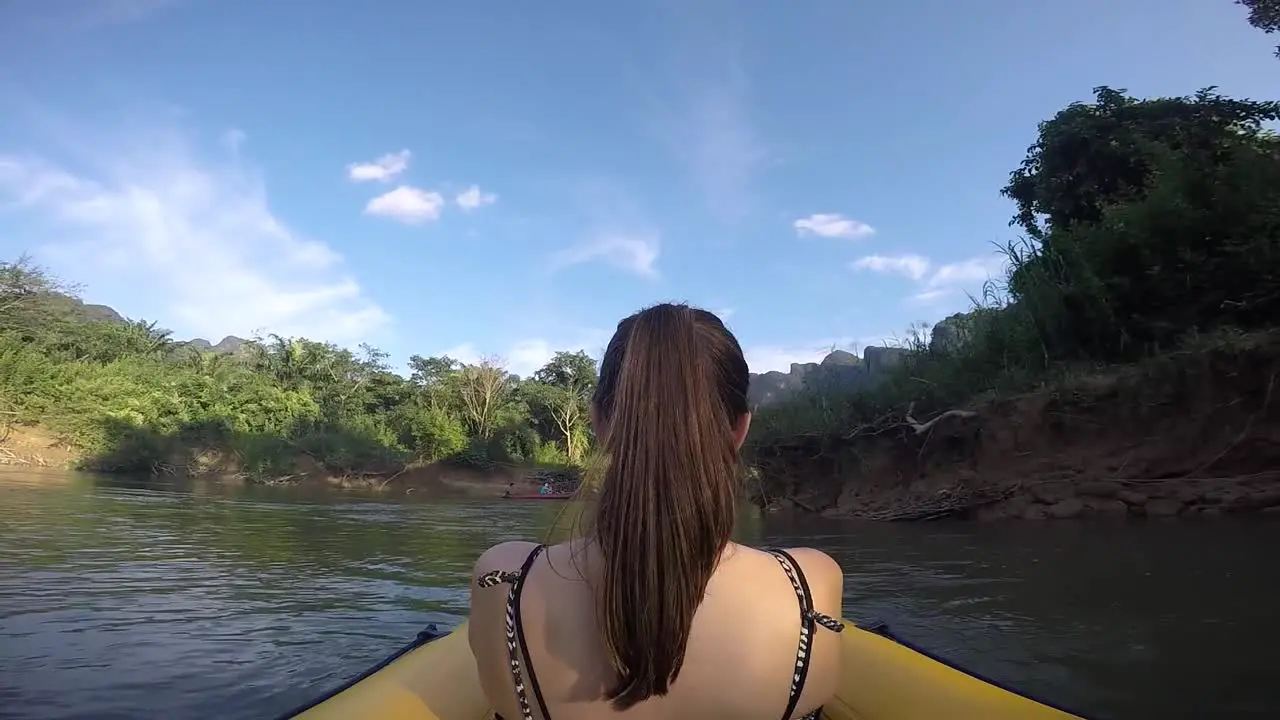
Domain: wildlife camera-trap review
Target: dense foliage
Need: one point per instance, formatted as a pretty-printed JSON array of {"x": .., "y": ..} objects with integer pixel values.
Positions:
[
  {"x": 134, "y": 400},
  {"x": 1147, "y": 223},
  {"x": 1264, "y": 15}
]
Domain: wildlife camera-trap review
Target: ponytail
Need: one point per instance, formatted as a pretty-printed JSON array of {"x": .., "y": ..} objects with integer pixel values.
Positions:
[{"x": 673, "y": 384}]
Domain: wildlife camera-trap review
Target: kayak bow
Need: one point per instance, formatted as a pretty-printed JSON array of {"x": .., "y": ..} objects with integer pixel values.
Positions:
[{"x": 885, "y": 678}]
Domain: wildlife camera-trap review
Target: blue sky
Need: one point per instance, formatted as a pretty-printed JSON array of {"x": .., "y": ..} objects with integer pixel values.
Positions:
[{"x": 513, "y": 178}]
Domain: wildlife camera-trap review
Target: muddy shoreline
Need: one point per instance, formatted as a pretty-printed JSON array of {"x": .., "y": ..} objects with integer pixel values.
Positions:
[{"x": 1192, "y": 433}]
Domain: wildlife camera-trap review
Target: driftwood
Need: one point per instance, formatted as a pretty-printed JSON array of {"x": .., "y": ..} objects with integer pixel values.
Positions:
[{"x": 9, "y": 457}]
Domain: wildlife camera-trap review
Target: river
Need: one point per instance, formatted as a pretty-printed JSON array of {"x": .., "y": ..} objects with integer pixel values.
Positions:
[{"x": 240, "y": 602}]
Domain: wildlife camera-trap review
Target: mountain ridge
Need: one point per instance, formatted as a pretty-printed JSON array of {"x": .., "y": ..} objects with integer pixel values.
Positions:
[{"x": 840, "y": 370}]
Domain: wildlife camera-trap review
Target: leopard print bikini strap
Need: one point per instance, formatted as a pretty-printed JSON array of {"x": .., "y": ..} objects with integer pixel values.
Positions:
[
  {"x": 516, "y": 644},
  {"x": 810, "y": 619}
]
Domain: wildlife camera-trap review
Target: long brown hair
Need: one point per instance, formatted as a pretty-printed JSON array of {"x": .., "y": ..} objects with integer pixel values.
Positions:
[{"x": 673, "y": 383}]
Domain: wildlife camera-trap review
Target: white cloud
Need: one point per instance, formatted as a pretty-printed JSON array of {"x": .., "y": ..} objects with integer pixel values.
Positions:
[
  {"x": 707, "y": 118},
  {"x": 409, "y": 205},
  {"x": 910, "y": 266},
  {"x": 472, "y": 198},
  {"x": 636, "y": 254},
  {"x": 934, "y": 282},
  {"x": 952, "y": 278},
  {"x": 150, "y": 226},
  {"x": 466, "y": 352},
  {"x": 384, "y": 169},
  {"x": 527, "y": 356},
  {"x": 833, "y": 225},
  {"x": 927, "y": 296},
  {"x": 522, "y": 358},
  {"x": 723, "y": 149},
  {"x": 965, "y": 271}
]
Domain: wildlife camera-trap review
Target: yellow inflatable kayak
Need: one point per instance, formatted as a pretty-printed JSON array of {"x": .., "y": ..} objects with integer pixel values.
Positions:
[{"x": 434, "y": 678}]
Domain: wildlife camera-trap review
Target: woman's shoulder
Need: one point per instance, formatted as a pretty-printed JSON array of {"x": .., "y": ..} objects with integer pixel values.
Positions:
[
  {"x": 508, "y": 556},
  {"x": 813, "y": 561},
  {"x": 820, "y": 569}
]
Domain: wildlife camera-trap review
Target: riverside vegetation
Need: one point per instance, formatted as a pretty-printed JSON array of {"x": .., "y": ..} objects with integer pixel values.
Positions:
[
  {"x": 123, "y": 396},
  {"x": 1125, "y": 362}
]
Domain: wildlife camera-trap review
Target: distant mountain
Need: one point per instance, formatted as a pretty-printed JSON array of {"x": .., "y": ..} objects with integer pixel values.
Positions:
[
  {"x": 100, "y": 313},
  {"x": 229, "y": 345},
  {"x": 839, "y": 371}
]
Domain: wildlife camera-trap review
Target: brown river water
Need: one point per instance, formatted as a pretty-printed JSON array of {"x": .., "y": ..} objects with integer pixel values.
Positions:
[{"x": 205, "y": 601}]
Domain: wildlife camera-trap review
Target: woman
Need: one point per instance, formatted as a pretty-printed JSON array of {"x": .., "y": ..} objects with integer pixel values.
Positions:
[{"x": 655, "y": 613}]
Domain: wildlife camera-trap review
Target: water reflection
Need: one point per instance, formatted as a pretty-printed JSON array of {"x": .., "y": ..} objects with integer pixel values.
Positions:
[{"x": 121, "y": 601}]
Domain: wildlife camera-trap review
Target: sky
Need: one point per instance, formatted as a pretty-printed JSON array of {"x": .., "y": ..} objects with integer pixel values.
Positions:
[{"x": 509, "y": 179}]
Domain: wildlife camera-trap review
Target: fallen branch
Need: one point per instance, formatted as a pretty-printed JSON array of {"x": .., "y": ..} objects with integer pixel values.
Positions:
[
  {"x": 398, "y": 473},
  {"x": 919, "y": 427}
]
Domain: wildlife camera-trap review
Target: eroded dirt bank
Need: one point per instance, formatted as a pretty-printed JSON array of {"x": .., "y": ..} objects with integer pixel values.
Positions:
[
  {"x": 23, "y": 447},
  {"x": 1192, "y": 433}
]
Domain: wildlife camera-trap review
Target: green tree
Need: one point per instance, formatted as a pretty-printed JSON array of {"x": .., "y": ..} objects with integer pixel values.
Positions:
[
  {"x": 435, "y": 378},
  {"x": 1147, "y": 219},
  {"x": 29, "y": 296},
  {"x": 562, "y": 390},
  {"x": 1264, "y": 15},
  {"x": 483, "y": 389},
  {"x": 1094, "y": 155}
]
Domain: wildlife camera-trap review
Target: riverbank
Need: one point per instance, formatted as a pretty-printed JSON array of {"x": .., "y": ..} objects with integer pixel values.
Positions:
[
  {"x": 1195, "y": 432},
  {"x": 25, "y": 447}
]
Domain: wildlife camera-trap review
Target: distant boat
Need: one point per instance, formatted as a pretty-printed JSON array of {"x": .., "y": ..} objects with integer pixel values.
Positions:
[{"x": 539, "y": 496}]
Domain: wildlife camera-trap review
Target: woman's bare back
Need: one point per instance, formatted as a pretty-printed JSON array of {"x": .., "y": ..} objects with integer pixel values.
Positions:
[{"x": 741, "y": 658}]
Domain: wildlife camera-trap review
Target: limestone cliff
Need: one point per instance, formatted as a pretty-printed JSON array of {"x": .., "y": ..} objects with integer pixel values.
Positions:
[{"x": 840, "y": 370}]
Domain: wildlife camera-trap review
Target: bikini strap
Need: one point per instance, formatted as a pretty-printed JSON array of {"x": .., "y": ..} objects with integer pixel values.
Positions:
[
  {"x": 809, "y": 620},
  {"x": 515, "y": 634}
]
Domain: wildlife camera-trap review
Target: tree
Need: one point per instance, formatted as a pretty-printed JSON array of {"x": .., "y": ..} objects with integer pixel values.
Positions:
[
  {"x": 566, "y": 369},
  {"x": 563, "y": 389},
  {"x": 433, "y": 433},
  {"x": 1148, "y": 219},
  {"x": 435, "y": 377},
  {"x": 431, "y": 370},
  {"x": 482, "y": 390},
  {"x": 1089, "y": 156},
  {"x": 26, "y": 292},
  {"x": 1264, "y": 15}
]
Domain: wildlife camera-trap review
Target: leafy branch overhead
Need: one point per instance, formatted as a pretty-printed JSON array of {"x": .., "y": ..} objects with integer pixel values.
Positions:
[{"x": 1264, "y": 15}]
